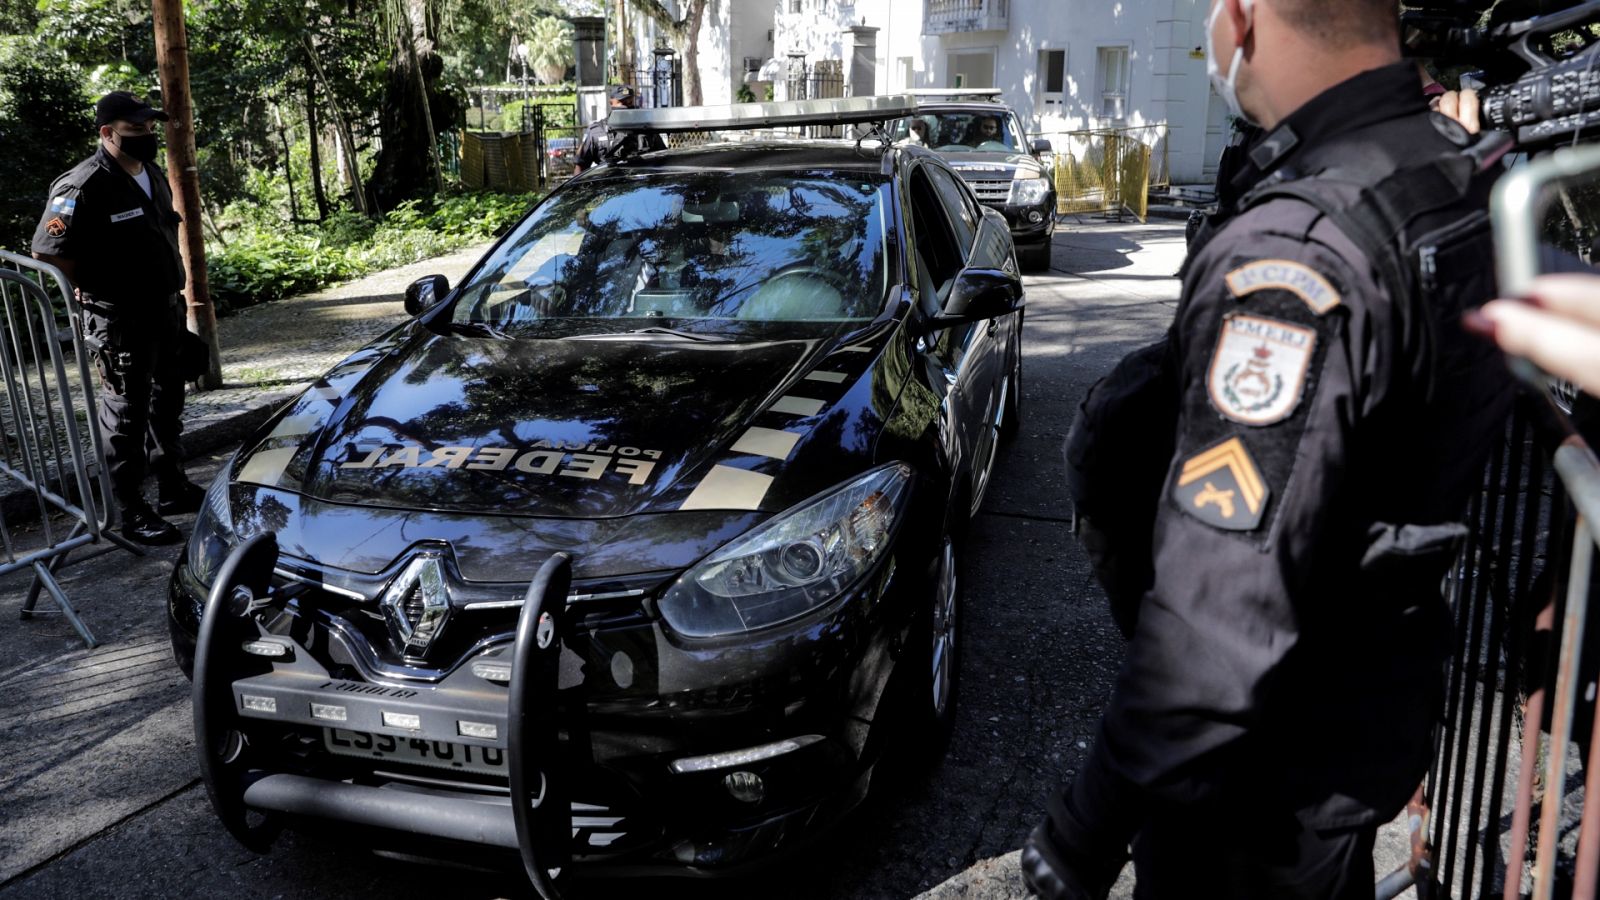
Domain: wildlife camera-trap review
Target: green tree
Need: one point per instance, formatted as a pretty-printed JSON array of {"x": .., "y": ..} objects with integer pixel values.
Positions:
[
  {"x": 551, "y": 50},
  {"x": 46, "y": 126}
]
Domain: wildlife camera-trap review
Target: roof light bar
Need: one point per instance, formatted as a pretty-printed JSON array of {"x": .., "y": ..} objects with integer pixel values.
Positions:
[
  {"x": 782, "y": 114},
  {"x": 953, "y": 93}
]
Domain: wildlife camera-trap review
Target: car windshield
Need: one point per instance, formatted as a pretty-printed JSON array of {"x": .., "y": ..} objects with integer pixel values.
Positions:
[
  {"x": 960, "y": 132},
  {"x": 689, "y": 250}
]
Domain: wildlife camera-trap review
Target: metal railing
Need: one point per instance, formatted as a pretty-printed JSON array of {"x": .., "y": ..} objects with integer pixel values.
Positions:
[
  {"x": 1103, "y": 171},
  {"x": 1519, "y": 714},
  {"x": 948, "y": 16},
  {"x": 58, "y": 462}
]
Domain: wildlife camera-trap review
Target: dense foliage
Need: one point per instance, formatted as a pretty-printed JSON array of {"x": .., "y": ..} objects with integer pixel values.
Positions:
[
  {"x": 42, "y": 115},
  {"x": 264, "y": 261},
  {"x": 316, "y": 158}
]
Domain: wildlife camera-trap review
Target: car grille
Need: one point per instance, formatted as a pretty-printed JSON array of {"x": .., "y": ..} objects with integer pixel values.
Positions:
[{"x": 991, "y": 191}]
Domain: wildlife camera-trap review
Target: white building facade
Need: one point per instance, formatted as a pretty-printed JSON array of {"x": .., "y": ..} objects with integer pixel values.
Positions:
[{"x": 1063, "y": 65}]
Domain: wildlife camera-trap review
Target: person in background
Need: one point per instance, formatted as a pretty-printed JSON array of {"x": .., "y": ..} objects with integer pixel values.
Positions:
[
  {"x": 109, "y": 226},
  {"x": 597, "y": 143}
]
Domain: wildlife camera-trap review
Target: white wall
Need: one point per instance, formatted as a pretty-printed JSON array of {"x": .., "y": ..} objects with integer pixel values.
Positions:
[
  {"x": 1167, "y": 87},
  {"x": 752, "y": 21}
]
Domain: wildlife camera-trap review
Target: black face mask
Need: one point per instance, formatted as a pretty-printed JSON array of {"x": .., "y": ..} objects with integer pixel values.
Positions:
[{"x": 141, "y": 147}]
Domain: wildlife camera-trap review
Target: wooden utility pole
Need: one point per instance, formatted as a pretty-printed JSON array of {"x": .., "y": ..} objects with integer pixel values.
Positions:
[{"x": 172, "y": 58}]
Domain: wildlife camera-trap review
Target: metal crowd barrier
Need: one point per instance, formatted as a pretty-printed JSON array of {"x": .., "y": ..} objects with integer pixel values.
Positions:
[
  {"x": 1502, "y": 812},
  {"x": 1104, "y": 171},
  {"x": 57, "y": 461}
]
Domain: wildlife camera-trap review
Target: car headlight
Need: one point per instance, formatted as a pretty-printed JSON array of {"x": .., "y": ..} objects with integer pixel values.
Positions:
[
  {"x": 214, "y": 534},
  {"x": 1029, "y": 191},
  {"x": 793, "y": 563}
]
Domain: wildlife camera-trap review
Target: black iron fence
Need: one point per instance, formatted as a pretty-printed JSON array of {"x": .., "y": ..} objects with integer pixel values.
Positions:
[
  {"x": 819, "y": 80},
  {"x": 656, "y": 84},
  {"x": 1503, "y": 812}
]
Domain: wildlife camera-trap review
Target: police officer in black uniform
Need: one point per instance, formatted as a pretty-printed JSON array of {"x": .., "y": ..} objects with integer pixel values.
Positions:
[
  {"x": 1320, "y": 418},
  {"x": 110, "y": 227},
  {"x": 596, "y": 145}
]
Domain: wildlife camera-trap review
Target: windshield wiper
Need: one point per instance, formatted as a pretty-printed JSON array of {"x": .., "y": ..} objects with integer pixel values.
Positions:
[
  {"x": 479, "y": 329},
  {"x": 686, "y": 335},
  {"x": 705, "y": 337}
]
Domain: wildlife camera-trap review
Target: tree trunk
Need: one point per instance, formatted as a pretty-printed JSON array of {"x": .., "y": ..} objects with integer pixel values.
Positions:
[
  {"x": 314, "y": 133},
  {"x": 691, "y": 52},
  {"x": 172, "y": 58},
  {"x": 418, "y": 32},
  {"x": 288, "y": 164},
  {"x": 625, "y": 60},
  {"x": 408, "y": 165},
  {"x": 347, "y": 141},
  {"x": 685, "y": 33}
]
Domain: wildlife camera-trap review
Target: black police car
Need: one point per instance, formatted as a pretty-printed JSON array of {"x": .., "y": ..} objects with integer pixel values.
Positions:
[
  {"x": 730, "y": 409},
  {"x": 982, "y": 139}
]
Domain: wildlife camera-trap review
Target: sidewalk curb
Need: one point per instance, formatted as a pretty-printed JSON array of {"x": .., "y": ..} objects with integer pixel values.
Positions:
[{"x": 999, "y": 878}]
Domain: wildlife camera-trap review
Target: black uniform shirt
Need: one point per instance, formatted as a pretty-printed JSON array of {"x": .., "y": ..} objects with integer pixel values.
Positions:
[
  {"x": 597, "y": 140},
  {"x": 1274, "y": 662},
  {"x": 124, "y": 244}
]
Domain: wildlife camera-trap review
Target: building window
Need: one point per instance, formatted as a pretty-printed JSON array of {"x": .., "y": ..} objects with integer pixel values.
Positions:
[
  {"x": 1052, "y": 82},
  {"x": 795, "y": 5},
  {"x": 1113, "y": 76},
  {"x": 752, "y": 65}
]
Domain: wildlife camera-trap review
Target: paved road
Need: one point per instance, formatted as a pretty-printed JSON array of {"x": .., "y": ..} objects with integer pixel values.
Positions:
[{"x": 98, "y": 794}]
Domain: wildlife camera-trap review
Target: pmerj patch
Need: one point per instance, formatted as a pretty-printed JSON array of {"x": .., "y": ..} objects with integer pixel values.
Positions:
[
  {"x": 1223, "y": 487},
  {"x": 1258, "y": 371},
  {"x": 1285, "y": 275}
]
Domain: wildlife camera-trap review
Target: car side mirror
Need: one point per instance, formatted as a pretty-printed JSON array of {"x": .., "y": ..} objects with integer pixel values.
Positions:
[
  {"x": 425, "y": 293},
  {"x": 1040, "y": 145},
  {"x": 979, "y": 295}
]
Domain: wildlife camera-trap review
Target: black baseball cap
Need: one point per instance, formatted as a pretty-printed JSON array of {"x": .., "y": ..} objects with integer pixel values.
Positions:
[
  {"x": 124, "y": 106},
  {"x": 620, "y": 92}
]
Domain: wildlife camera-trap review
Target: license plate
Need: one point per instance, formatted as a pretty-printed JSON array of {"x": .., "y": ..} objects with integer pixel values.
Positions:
[{"x": 416, "y": 751}]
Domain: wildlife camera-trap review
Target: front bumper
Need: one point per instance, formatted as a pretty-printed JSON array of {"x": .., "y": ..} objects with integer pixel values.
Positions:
[
  {"x": 1025, "y": 232},
  {"x": 631, "y": 807}
]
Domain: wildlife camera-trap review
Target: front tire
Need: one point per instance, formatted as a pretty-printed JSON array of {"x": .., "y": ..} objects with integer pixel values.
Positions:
[{"x": 941, "y": 664}]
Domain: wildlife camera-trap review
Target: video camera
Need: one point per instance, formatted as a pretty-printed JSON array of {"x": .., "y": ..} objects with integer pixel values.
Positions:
[{"x": 1538, "y": 62}]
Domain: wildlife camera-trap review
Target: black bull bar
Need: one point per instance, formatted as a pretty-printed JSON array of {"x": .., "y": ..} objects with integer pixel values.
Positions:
[{"x": 250, "y": 802}]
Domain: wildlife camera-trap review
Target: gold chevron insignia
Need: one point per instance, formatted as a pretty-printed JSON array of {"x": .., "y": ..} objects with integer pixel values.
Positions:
[{"x": 1222, "y": 487}]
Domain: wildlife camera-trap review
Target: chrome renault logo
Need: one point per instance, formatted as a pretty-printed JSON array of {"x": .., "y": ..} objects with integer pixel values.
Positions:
[{"x": 417, "y": 604}]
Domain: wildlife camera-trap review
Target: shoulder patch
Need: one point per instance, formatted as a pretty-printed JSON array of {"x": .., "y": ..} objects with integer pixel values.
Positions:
[
  {"x": 1258, "y": 371},
  {"x": 56, "y": 227},
  {"x": 64, "y": 204},
  {"x": 1285, "y": 275},
  {"x": 1223, "y": 488}
]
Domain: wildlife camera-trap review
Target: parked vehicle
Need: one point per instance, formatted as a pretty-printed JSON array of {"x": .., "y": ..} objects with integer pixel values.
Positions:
[
  {"x": 707, "y": 430},
  {"x": 983, "y": 140}
]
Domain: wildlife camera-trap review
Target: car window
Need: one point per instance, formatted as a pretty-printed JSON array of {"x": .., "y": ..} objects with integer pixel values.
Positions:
[
  {"x": 756, "y": 247},
  {"x": 976, "y": 131},
  {"x": 963, "y": 214},
  {"x": 938, "y": 254}
]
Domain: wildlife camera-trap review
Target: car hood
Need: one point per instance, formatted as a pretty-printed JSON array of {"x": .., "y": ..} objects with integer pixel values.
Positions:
[
  {"x": 995, "y": 166},
  {"x": 575, "y": 428}
]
